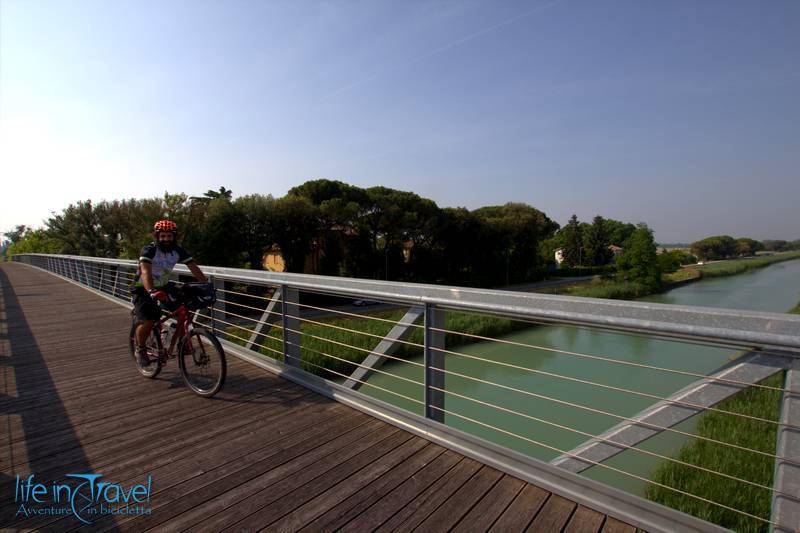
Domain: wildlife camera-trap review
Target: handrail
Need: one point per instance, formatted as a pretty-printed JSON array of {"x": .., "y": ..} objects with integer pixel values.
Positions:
[{"x": 708, "y": 323}]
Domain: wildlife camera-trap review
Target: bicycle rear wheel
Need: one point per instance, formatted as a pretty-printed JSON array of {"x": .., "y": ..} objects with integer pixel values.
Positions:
[
  {"x": 153, "y": 349},
  {"x": 202, "y": 362}
]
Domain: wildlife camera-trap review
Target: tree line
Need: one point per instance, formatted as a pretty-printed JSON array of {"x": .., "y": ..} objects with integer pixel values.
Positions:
[
  {"x": 332, "y": 228},
  {"x": 725, "y": 247},
  {"x": 322, "y": 226}
]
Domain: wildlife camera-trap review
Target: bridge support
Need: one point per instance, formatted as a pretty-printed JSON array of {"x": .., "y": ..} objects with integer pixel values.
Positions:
[
  {"x": 750, "y": 368},
  {"x": 266, "y": 320},
  {"x": 388, "y": 345}
]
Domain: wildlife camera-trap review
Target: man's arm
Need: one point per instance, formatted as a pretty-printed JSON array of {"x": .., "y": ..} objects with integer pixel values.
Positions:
[
  {"x": 195, "y": 270},
  {"x": 147, "y": 275}
]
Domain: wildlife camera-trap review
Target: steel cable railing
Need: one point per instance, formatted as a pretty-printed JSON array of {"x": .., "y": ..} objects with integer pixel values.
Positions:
[
  {"x": 621, "y": 418},
  {"x": 614, "y": 388},
  {"x": 611, "y": 360}
]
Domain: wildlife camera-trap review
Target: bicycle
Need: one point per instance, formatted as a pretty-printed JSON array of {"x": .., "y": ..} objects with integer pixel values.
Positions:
[{"x": 198, "y": 350}]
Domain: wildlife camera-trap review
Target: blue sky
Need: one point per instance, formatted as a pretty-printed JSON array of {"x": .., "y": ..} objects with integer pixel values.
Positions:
[{"x": 684, "y": 115}]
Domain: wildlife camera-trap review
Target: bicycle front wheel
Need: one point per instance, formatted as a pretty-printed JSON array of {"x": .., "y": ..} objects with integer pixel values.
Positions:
[{"x": 202, "y": 362}]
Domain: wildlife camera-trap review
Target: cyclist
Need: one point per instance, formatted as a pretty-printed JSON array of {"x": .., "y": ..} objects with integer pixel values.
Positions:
[{"x": 152, "y": 280}]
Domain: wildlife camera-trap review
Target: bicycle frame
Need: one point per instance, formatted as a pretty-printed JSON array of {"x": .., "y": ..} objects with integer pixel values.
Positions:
[{"x": 185, "y": 321}]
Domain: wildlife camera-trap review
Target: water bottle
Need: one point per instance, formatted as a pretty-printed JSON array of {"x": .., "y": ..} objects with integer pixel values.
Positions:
[{"x": 167, "y": 334}]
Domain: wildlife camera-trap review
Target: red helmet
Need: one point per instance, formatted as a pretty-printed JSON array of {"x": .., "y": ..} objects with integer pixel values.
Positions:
[{"x": 165, "y": 225}]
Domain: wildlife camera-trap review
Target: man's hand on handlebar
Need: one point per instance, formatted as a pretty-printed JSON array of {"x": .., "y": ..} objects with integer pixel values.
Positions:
[{"x": 157, "y": 294}]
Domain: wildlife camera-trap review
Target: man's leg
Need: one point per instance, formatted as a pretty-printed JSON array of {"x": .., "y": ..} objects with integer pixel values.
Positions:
[
  {"x": 145, "y": 310},
  {"x": 143, "y": 331}
]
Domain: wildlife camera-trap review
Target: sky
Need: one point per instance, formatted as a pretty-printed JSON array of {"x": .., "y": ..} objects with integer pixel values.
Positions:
[{"x": 681, "y": 114}]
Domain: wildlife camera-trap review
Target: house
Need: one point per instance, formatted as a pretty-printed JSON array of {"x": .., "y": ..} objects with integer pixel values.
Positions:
[
  {"x": 559, "y": 256},
  {"x": 616, "y": 251},
  {"x": 272, "y": 261}
]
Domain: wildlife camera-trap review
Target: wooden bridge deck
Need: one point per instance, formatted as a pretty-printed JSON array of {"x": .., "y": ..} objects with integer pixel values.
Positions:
[{"x": 263, "y": 454}]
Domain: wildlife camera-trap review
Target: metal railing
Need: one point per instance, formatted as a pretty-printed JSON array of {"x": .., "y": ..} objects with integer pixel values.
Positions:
[{"x": 428, "y": 360}]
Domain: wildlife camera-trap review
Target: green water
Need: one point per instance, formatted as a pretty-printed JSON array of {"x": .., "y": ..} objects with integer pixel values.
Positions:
[{"x": 775, "y": 288}]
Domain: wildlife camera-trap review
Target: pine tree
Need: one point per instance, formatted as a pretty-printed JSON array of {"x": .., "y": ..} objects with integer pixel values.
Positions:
[{"x": 573, "y": 242}]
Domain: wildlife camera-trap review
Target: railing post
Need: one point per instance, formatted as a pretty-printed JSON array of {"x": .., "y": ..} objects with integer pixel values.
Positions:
[
  {"x": 218, "y": 284},
  {"x": 434, "y": 363},
  {"x": 290, "y": 312}
]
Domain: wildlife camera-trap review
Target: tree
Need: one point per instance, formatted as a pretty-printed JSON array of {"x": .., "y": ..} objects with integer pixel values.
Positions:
[
  {"x": 295, "y": 226},
  {"x": 517, "y": 230},
  {"x": 776, "y": 245},
  {"x": 596, "y": 244},
  {"x": 34, "y": 242},
  {"x": 17, "y": 233},
  {"x": 255, "y": 226},
  {"x": 639, "y": 263},
  {"x": 79, "y": 230},
  {"x": 572, "y": 240},
  {"x": 670, "y": 261},
  {"x": 717, "y": 247},
  {"x": 619, "y": 232},
  {"x": 222, "y": 193},
  {"x": 746, "y": 246},
  {"x": 221, "y": 231}
]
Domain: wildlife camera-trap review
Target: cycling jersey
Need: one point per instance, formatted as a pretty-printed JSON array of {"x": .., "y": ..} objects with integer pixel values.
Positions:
[{"x": 162, "y": 263}]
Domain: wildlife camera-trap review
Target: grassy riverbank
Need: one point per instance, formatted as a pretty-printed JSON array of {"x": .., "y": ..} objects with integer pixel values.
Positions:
[
  {"x": 731, "y": 267},
  {"x": 762, "y": 403},
  {"x": 609, "y": 288}
]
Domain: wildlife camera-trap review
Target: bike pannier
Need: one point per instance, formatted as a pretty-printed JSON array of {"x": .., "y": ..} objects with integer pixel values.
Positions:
[{"x": 199, "y": 295}]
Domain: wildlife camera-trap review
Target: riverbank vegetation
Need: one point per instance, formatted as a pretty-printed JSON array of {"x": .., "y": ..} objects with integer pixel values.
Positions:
[
  {"x": 615, "y": 288},
  {"x": 748, "y": 433},
  {"x": 738, "y": 266}
]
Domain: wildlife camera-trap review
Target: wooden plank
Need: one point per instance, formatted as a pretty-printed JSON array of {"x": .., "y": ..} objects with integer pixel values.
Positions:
[
  {"x": 239, "y": 448},
  {"x": 585, "y": 520},
  {"x": 347, "y": 510},
  {"x": 522, "y": 510},
  {"x": 459, "y": 504},
  {"x": 174, "y": 482},
  {"x": 383, "y": 509},
  {"x": 554, "y": 515},
  {"x": 230, "y": 502},
  {"x": 298, "y": 493},
  {"x": 427, "y": 502},
  {"x": 491, "y": 506},
  {"x": 330, "y": 494}
]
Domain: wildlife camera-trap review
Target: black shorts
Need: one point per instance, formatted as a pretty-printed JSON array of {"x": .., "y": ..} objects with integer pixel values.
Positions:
[{"x": 145, "y": 307}]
